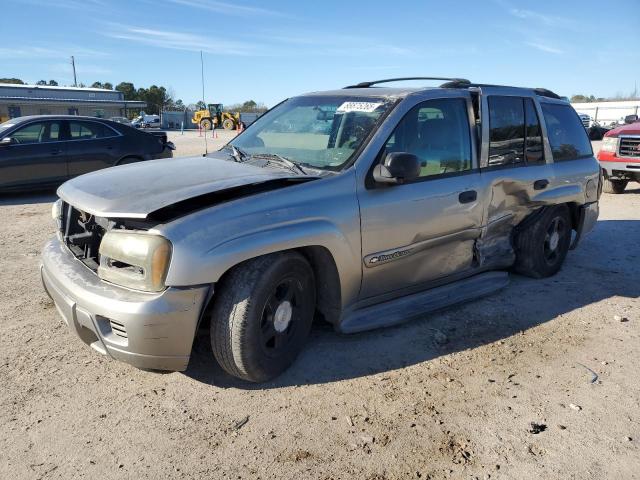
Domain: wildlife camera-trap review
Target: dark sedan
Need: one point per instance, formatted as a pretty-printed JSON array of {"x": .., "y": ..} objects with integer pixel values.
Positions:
[{"x": 45, "y": 150}]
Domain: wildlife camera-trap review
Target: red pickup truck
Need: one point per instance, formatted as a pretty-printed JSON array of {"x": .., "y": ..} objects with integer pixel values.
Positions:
[{"x": 619, "y": 155}]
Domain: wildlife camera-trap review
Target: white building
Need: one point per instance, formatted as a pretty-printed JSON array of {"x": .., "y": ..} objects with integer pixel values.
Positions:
[{"x": 607, "y": 113}]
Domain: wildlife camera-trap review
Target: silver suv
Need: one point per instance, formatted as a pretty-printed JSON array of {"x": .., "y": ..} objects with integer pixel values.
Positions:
[{"x": 363, "y": 207}]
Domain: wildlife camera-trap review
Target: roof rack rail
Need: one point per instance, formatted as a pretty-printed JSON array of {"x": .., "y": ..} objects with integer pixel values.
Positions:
[{"x": 402, "y": 79}]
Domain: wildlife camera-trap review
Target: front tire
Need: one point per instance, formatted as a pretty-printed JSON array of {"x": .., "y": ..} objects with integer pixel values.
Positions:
[
  {"x": 206, "y": 124},
  {"x": 262, "y": 316},
  {"x": 614, "y": 186},
  {"x": 542, "y": 246}
]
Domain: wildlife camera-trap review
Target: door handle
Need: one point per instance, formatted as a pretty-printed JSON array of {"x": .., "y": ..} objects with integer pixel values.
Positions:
[
  {"x": 540, "y": 184},
  {"x": 468, "y": 196}
]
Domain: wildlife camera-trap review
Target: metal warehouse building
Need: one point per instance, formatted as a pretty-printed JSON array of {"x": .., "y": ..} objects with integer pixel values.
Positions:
[{"x": 20, "y": 100}]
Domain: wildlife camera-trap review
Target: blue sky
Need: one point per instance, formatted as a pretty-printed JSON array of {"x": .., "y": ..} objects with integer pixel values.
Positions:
[{"x": 268, "y": 51}]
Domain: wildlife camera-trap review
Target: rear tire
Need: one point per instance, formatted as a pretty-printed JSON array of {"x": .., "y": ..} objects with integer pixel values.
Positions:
[
  {"x": 614, "y": 186},
  {"x": 542, "y": 246},
  {"x": 228, "y": 124},
  {"x": 262, "y": 316}
]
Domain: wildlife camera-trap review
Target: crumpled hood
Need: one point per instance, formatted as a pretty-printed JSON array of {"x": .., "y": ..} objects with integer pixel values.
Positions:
[{"x": 138, "y": 189}]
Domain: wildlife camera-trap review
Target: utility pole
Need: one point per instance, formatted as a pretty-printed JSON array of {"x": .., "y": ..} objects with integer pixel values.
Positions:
[
  {"x": 73, "y": 64},
  {"x": 206, "y": 150}
]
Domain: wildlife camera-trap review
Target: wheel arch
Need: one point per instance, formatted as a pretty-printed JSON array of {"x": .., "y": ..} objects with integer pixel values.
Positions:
[{"x": 137, "y": 158}]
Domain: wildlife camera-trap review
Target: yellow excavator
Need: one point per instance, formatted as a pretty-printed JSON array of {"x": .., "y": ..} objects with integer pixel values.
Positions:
[{"x": 215, "y": 116}]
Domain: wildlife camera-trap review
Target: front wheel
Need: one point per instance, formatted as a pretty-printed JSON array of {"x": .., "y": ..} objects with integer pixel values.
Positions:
[
  {"x": 614, "y": 186},
  {"x": 206, "y": 124},
  {"x": 542, "y": 246},
  {"x": 262, "y": 315}
]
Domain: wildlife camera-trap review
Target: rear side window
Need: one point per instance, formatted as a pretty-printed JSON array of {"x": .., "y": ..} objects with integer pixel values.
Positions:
[
  {"x": 88, "y": 130},
  {"x": 534, "y": 151},
  {"x": 567, "y": 136},
  {"x": 506, "y": 131}
]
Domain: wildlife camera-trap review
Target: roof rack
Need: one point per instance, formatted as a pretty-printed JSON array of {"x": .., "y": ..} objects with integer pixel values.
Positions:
[
  {"x": 543, "y": 92},
  {"x": 460, "y": 81}
]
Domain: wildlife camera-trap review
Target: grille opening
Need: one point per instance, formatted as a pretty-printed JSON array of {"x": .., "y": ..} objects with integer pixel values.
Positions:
[
  {"x": 629, "y": 147},
  {"x": 82, "y": 235},
  {"x": 118, "y": 328}
]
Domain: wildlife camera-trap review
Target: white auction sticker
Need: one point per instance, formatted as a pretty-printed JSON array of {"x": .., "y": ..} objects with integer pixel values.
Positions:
[{"x": 366, "y": 107}]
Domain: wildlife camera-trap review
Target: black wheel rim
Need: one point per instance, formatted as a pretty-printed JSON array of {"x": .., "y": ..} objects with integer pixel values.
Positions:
[
  {"x": 554, "y": 240},
  {"x": 279, "y": 323}
]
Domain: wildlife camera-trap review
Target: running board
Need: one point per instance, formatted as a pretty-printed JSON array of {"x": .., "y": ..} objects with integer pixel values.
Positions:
[{"x": 407, "y": 308}]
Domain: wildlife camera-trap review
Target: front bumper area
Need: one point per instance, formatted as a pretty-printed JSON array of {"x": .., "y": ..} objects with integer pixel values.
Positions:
[
  {"x": 147, "y": 330},
  {"x": 632, "y": 165}
]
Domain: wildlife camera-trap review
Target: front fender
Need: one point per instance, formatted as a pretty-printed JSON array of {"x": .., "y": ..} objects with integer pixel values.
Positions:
[{"x": 209, "y": 267}]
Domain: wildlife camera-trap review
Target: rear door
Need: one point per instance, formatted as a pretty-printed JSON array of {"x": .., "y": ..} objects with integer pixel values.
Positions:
[
  {"x": 417, "y": 233},
  {"x": 514, "y": 167},
  {"x": 91, "y": 146},
  {"x": 36, "y": 156}
]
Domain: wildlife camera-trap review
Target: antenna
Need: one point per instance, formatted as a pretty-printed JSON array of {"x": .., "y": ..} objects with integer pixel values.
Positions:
[
  {"x": 73, "y": 65},
  {"x": 206, "y": 150}
]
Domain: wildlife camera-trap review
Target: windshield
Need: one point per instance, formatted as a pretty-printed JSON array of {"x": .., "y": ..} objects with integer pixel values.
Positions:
[{"x": 317, "y": 131}]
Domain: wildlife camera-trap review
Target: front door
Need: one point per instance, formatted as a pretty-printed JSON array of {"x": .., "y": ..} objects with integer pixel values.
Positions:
[
  {"x": 417, "y": 233},
  {"x": 35, "y": 156}
]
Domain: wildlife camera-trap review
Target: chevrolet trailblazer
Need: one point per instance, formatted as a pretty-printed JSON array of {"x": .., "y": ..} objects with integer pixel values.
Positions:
[{"x": 363, "y": 207}]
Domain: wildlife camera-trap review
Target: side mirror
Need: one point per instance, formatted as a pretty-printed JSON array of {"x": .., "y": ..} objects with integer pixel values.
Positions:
[
  {"x": 398, "y": 168},
  {"x": 630, "y": 119},
  {"x": 6, "y": 141}
]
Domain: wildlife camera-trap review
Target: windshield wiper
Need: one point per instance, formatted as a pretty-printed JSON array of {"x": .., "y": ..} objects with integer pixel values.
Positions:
[
  {"x": 237, "y": 154},
  {"x": 293, "y": 166}
]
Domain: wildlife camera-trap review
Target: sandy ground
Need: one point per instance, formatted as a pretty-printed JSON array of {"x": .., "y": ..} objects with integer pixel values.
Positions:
[
  {"x": 192, "y": 142},
  {"x": 452, "y": 395}
]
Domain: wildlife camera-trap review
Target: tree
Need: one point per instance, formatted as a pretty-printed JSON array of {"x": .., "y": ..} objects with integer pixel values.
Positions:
[
  {"x": 107, "y": 85},
  {"x": 14, "y": 81},
  {"x": 41, "y": 82},
  {"x": 128, "y": 89},
  {"x": 97, "y": 85},
  {"x": 53, "y": 83}
]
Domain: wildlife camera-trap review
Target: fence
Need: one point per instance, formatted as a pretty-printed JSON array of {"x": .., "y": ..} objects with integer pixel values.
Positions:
[{"x": 607, "y": 113}]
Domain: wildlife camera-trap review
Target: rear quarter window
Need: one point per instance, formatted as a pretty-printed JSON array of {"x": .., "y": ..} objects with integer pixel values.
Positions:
[{"x": 567, "y": 136}]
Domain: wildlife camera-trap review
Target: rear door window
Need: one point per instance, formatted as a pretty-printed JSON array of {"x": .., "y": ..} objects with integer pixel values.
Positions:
[
  {"x": 506, "y": 131},
  {"x": 534, "y": 151},
  {"x": 88, "y": 130},
  {"x": 567, "y": 136}
]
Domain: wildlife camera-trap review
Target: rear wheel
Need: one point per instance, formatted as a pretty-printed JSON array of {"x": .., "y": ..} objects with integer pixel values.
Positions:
[
  {"x": 542, "y": 246},
  {"x": 614, "y": 186},
  {"x": 228, "y": 124},
  {"x": 206, "y": 124},
  {"x": 262, "y": 316}
]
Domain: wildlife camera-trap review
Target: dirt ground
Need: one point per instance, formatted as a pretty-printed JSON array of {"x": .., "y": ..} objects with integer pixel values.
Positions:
[
  {"x": 192, "y": 143},
  {"x": 538, "y": 381}
]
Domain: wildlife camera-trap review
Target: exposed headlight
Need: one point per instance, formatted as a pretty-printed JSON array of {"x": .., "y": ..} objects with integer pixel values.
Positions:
[
  {"x": 137, "y": 260},
  {"x": 609, "y": 144},
  {"x": 56, "y": 210}
]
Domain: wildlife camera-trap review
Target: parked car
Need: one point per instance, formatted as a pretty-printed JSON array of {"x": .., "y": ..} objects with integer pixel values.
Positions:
[
  {"x": 595, "y": 131},
  {"x": 122, "y": 120},
  {"x": 146, "y": 121},
  {"x": 364, "y": 207},
  {"x": 45, "y": 150},
  {"x": 619, "y": 155}
]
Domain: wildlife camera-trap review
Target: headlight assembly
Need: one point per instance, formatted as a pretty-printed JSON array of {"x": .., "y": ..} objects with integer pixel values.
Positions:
[
  {"x": 609, "y": 144},
  {"x": 137, "y": 260}
]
